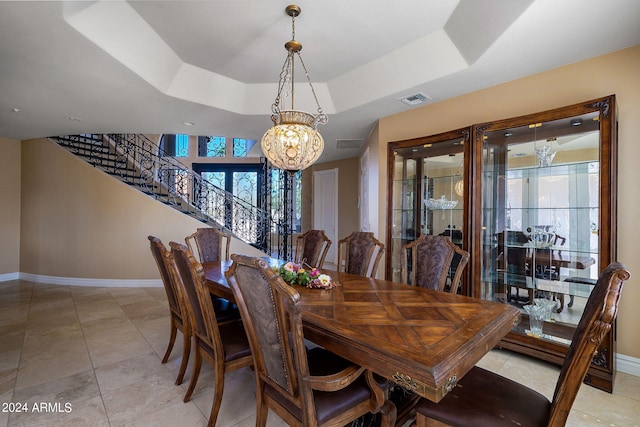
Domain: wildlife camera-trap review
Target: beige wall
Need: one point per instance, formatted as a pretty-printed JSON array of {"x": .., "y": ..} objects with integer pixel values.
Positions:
[
  {"x": 10, "y": 207},
  {"x": 348, "y": 176},
  {"x": 80, "y": 222},
  {"x": 616, "y": 73}
]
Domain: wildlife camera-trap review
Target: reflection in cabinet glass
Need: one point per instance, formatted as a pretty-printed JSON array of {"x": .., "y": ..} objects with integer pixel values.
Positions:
[
  {"x": 548, "y": 221},
  {"x": 426, "y": 192}
]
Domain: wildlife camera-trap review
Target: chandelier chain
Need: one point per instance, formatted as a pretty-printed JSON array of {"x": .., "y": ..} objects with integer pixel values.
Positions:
[
  {"x": 283, "y": 82},
  {"x": 293, "y": 142},
  {"x": 310, "y": 85}
]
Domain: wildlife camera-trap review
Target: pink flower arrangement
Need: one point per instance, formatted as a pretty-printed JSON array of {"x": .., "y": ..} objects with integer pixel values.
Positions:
[{"x": 293, "y": 273}]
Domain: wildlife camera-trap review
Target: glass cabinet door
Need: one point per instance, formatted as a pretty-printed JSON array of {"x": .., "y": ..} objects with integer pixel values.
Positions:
[
  {"x": 426, "y": 192},
  {"x": 546, "y": 213}
]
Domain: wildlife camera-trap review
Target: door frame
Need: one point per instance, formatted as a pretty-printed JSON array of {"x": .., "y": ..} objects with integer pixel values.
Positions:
[
  {"x": 334, "y": 238},
  {"x": 229, "y": 169}
]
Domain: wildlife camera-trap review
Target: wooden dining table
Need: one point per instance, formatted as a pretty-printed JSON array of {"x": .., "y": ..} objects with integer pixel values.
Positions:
[
  {"x": 555, "y": 259},
  {"x": 422, "y": 339}
]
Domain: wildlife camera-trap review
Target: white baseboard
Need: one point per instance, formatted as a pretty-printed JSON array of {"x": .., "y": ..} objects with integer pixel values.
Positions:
[
  {"x": 628, "y": 365},
  {"x": 72, "y": 281},
  {"x": 9, "y": 276}
]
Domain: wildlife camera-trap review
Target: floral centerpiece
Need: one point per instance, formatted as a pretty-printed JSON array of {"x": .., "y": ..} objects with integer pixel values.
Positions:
[{"x": 310, "y": 277}]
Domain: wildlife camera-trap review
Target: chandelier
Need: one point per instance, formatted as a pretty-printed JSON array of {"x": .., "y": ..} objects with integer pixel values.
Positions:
[
  {"x": 442, "y": 203},
  {"x": 459, "y": 187},
  {"x": 293, "y": 143}
]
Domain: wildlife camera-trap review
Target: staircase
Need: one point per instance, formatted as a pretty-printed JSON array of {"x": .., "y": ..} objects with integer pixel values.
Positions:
[{"x": 135, "y": 160}]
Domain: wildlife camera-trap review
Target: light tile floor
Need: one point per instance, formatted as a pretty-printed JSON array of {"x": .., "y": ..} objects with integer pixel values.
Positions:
[{"x": 92, "y": 357}]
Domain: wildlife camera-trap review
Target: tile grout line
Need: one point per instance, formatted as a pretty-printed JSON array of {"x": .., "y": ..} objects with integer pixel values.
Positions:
[
  {"x": 159, "y": 356},
  {"x": 24, "y": 338},
  {"x": 93, "y": 367}
]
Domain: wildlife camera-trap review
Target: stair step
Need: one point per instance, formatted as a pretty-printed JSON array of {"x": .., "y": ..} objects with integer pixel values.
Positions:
[
  {"x": 96, "y": 149},
  {"x": 98, "y": 157},
  {"x": 123, "y": 172},
  {"x": 92, "y": 138}
]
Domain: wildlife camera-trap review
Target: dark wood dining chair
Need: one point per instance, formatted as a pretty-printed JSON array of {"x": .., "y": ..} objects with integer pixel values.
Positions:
[
  {"x": 550, "y": 271},
  {"x": 360, "y": 253},
  {"x": 311, "y": 248},
  {"x": 511, "y": 258},
  {"x": 212, "y": 245},
  {"x": 483, "y": 398},
  {"x": 223, "y": 345},
  {"x": 179, "y": 315},
  {"x": 304, "y": 388},
  {"x": 429, "y": 261}
]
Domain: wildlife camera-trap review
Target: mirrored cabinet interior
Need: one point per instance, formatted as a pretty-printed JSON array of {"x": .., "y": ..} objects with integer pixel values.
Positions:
[
  {"x": 547, "y": 191},
  {"x": 426, "y": 192},
  {"x": 533, "y": 200}
]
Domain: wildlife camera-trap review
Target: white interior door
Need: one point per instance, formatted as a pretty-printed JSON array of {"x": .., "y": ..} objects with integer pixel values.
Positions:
[{"x": 325, "y": 208}]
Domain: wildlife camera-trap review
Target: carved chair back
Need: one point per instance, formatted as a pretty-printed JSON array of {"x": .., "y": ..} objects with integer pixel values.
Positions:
[
  {"x": 485, "y": 398},
  {"x": 599, "y": 313},
  {"x": 267, "y": 302},
  {"x": 223, "y": 344},
  {"x": 432, "y": 259},
  {"x": 162, "y": 256},
  {"x": 360, "y": 253},
  {"x": 212, "y": 244},
  {"x": 312, "y": 247},
  {"x": 178, "y": 309},
  {"x": 286, "y": 373},
  {"x": 201, "y": 310},
  {"x": 512, "y": 253}
]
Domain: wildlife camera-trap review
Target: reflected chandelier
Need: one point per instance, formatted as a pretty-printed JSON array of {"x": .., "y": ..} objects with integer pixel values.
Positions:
[{"x": 293, "y": 143}]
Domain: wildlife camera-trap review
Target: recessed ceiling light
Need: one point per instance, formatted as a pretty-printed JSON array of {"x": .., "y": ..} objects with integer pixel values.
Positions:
[
  {"x": 188, "y": 123},
  {"x": 74, "y": 119},
  {"x": 15, "y": 110}
]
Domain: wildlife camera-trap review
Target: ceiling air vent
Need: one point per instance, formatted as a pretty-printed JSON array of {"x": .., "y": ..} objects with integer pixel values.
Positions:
[
  {"x": 349, "y": 144},
  {"x": 415, "y": 99}
]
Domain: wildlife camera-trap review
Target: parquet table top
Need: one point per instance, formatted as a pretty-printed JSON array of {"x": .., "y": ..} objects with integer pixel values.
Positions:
[{"x": 422, "y": 339}]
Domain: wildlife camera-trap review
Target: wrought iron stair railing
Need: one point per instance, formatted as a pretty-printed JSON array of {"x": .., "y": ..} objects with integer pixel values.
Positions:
[{"x": 134, "y": 159}]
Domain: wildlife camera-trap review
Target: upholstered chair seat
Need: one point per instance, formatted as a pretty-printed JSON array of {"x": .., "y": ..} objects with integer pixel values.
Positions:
[
  {"x": 305, "y": 388},
  {"x": 224, "y": 345},
  {"x": 485, "y": 399}
]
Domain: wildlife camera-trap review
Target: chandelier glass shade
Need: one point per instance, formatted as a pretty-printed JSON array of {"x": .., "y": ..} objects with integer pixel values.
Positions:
[{"x": 293, "y": 143}]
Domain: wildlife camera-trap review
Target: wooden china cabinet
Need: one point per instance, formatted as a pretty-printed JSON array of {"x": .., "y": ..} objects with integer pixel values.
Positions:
[
  {"x": 426, "y": 193},
  {"x": 537, "y": 212}
]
